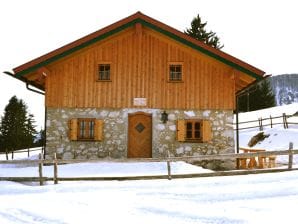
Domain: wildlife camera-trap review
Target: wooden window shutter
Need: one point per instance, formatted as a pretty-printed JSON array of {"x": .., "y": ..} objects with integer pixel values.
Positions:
[
  {"x": 206, "y": 131},
  {"x": 98, "y": 130},
  {"x": 180, "y": 130},
  {"x": 73, "y": 129}
]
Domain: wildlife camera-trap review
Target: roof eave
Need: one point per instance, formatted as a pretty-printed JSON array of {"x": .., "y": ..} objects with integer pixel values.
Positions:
[{"x": 130, "y": 21}]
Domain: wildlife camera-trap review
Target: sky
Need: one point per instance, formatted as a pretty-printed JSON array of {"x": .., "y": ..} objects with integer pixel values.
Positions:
[{"x": 261, "y": 33}]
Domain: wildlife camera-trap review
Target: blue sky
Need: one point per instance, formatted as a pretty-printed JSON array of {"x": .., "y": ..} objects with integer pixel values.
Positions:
[{"x": 262, "y": 33}]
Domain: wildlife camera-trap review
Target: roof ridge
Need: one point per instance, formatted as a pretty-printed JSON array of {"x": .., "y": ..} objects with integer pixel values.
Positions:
[{"x": 127, "y": 22}]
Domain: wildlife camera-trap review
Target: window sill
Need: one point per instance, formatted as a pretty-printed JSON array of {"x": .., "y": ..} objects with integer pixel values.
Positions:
[
  {"x": 193, "y": 141},
  {"x": 103, "y": 80},
  {"x": 86, "y": 140},
  {"x": 169, "y": 81}
]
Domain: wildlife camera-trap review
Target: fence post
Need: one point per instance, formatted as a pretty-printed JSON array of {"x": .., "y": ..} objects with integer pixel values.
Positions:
[
  {"x": 55, "y": 169},
  {"x": 42, "y": 152},
  {"x": 12, "y": 154},
  {"x": 40, "y": 164},
  {"x": 284, "y": 118},
  {"x": 6, "y": 152},
  {"x": 271, "y": 121},
  {"x": 28, "y": 152},
  {"x": 261, "y": 123},
  {"x": 290, "y": 155},
  {"x": 169, "y": 166}
]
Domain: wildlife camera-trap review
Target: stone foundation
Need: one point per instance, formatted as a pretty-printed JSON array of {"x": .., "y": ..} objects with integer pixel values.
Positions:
[{"x": 114, "y": 144}]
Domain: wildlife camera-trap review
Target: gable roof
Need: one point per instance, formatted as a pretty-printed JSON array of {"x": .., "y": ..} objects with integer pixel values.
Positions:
[{"x": 22, "y": 70}]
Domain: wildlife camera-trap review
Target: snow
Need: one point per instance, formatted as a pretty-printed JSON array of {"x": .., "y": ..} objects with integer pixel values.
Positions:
[
  {"x": 273, "y": 111},
  {"x": 102, "y": 169},
  {"x": 261, "y": 198},
  {"x": 279, "y": 138}
]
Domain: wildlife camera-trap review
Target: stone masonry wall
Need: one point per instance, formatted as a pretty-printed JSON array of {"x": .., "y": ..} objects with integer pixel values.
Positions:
[{"x": 114, "y": 144}]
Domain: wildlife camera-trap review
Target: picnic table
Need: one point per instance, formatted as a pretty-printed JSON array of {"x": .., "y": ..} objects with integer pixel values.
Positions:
[{"x": 256, "y": 162}]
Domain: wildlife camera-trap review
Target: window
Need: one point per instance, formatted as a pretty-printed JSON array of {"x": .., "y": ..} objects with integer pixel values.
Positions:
[
  {"x": 193, "y": 130},
  {"x": 104, "y": 72},
  {"x": 175, "y": 71},
  {"x": 85, "y": 129}
]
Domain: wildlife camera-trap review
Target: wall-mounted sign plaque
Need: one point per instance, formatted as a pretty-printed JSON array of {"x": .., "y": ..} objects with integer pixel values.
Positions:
[{"x": 140, "y": 101}]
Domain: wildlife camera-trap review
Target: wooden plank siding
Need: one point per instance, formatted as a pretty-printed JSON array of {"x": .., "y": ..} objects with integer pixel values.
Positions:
[{"x": 139, "y": 59}]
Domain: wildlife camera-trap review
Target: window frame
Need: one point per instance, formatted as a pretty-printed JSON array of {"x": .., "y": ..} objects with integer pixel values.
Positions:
[
  {"x": 169, "y": 75},
  {"x": 88, "y": 130},
  {"x": 103, "y": 63},
  {"x": 194, "y": 130}
]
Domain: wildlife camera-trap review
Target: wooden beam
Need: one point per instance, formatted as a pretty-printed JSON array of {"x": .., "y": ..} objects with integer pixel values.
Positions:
[
  {"x": 176, "y": 176},
  {"x": 139, "y": 29},
  {"x": 246, "y": 78},
  {"x": 43, "y": 71}
]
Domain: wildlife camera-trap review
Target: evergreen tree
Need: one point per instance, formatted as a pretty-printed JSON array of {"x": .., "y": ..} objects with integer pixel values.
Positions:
[
  {"x": 41, "y": 138},
  {"x": 30, "y": 132},
  {"x": 199, "y": 32},
  {"x": 17, "y": 127},
  {"x": 2, "y": 149},
  {"x": 259, "y": 97}
]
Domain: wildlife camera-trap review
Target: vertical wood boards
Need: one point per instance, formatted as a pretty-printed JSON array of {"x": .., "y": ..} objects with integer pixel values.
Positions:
[
  {"x": 139, "y": 59},
  {"x": 139, "y": 135}
]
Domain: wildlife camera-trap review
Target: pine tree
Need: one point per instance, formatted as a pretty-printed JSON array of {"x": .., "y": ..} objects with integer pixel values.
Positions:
[
  {"x": 266, "y": 96},
  {"x": 2, "y": 148},
  {"x": 41, "y": 138},
  {"x": 30, "y": 131},
  {"x": 17, "y": 127},
  {"x": 259, "y": 97},
  {"x": 199, "y": 32}
]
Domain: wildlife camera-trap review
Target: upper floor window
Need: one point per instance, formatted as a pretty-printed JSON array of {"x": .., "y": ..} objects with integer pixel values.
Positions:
[
  {"x": 175, "y": 72},
  {"x": 104, "y": 72}
]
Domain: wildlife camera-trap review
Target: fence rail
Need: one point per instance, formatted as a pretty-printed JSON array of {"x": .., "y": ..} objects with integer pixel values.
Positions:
[
  {"x": 259, "y": 123},
  {"x": 55, "y": 162},
  {"x": 22, "y": 151}
]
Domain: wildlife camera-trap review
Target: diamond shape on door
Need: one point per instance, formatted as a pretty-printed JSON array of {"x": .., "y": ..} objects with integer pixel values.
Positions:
[{"x": 140, "y": 127}]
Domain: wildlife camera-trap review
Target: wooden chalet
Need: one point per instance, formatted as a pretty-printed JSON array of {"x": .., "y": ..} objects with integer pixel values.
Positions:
[{"x": 138, "y": 88}]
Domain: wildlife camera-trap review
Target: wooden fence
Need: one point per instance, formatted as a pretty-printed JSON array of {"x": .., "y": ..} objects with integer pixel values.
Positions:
[
  {"x": 269, "y": 121},
  {"x": 28, "y": 151},
  {"x": 168, "y": 174}
]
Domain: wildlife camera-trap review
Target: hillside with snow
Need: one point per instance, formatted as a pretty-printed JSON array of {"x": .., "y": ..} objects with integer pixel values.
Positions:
[
  {"x": 279, "y": 137},
  {"x": 262, "y": 198}
]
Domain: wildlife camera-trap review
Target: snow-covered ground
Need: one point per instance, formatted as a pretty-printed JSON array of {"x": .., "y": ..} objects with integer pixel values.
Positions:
[
  {"x": 101, "y": 169},
  {"x": 263, "y": 198}
]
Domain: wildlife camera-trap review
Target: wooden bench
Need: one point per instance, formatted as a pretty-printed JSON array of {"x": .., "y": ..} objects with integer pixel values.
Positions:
[
  {"x": 272, "y": 160},
  {"x": 261, "y": 162},
  {"x": 252, "y": 162},
  {"x": 266, "y": 162},
  {"x": 243, "y": 163}
]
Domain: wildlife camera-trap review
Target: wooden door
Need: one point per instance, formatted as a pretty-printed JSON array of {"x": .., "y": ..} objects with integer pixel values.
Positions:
[{"x": 139, "y": 135}]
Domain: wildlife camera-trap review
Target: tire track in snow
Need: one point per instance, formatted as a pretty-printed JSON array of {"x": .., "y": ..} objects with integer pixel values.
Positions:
[{"x": 20, "y": 216}]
